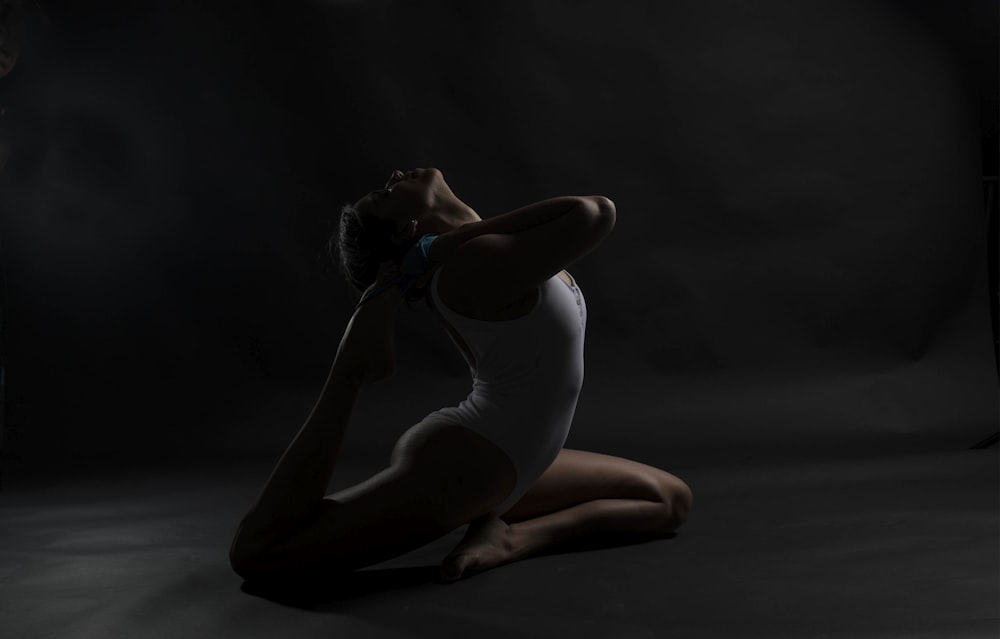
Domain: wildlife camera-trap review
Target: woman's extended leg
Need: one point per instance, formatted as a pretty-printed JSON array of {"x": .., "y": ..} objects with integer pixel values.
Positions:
[
  {"x": 303, "y": 472},
  {"x": 441, "y": 476}
]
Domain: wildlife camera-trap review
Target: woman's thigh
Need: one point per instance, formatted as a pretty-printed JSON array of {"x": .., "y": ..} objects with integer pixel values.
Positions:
[
  {"x": 458, "y": 455},
  {"x": 439, "y": 473},
  {"x": 577, "y": 476}
]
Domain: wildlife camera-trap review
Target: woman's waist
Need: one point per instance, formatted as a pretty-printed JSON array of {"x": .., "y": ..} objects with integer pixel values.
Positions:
[{"x": 535, "y": 385}]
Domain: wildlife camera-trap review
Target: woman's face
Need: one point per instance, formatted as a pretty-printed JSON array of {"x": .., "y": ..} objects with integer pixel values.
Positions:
[{"x": 406, "y": 196}]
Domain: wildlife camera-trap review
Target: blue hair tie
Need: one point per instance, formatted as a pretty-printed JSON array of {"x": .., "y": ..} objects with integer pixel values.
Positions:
[
  {"x": 416, "y": 261},
  {"x": 414, "y": 265}
]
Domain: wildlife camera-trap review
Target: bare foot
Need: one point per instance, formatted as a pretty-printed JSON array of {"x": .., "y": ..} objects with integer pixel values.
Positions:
[{"x": 488, "y": 543}]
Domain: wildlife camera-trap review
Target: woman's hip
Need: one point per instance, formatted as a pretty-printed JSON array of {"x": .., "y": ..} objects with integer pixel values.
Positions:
[{"x": 451, "y": 452}]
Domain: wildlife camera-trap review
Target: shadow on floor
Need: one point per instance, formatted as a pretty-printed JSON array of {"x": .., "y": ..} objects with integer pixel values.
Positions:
[{"x": 311, "y": 593}]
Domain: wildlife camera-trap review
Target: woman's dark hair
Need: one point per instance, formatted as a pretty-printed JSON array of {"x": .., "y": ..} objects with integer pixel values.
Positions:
[{"x": 363, "y": 242}]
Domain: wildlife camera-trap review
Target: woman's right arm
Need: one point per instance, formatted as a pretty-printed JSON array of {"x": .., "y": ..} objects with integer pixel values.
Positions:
[{"x": 515, "y": 221}]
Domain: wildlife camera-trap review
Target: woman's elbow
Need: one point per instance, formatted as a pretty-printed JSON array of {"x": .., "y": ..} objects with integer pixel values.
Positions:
[
  {"x": 604, "y": 208},
  {"x": 604, "y": 204},
  {"x": 600, "y": 204}
]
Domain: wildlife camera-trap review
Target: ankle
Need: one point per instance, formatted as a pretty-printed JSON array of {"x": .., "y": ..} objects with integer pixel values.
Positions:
[{"x": 518, "y": 542}]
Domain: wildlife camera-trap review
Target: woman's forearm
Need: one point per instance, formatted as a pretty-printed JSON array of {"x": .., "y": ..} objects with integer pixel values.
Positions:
[
  {"x": 515, "y": 221},
  {"x": 529, "y": 216}
]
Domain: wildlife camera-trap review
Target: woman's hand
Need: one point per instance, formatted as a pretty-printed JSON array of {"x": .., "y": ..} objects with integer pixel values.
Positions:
[{"x": 444, "y": 246}]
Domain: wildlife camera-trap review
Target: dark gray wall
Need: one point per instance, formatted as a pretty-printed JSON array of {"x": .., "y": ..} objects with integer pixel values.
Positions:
[{"x": 799, "y": 259}]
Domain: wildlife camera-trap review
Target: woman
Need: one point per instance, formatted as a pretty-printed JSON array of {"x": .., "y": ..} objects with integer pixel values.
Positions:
[{"x": 496, "y": 460}]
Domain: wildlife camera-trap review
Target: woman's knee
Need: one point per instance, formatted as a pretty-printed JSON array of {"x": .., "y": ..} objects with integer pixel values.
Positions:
[
  {"x": 676, "y": 497},
  {"x": 244, "y": 560},
  {"x": 243, "y": 551}
]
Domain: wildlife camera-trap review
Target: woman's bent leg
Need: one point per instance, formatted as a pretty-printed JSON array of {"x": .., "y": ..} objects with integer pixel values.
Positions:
[{"x": 583, "y": 500}]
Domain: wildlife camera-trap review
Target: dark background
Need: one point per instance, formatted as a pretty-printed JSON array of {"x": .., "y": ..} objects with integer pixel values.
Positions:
[{"x": 800, "y": 264}]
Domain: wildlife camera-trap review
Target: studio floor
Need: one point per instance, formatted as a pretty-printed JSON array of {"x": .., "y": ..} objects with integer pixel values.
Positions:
[{"x": 885, "y": 546}]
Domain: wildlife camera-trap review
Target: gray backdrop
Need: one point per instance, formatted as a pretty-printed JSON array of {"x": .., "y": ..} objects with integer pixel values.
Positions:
[{"x": 798, "y": 267}]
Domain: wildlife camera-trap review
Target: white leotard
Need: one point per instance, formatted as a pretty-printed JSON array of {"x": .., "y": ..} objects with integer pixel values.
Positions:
[{"x": 527, "y": 377}]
